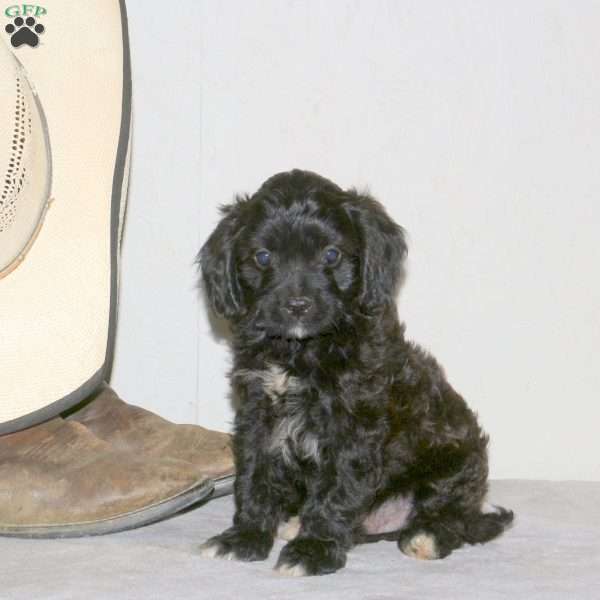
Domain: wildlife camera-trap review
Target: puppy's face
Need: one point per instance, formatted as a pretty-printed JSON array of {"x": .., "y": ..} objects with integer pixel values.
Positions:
[
  {"x": 300, "y": 256},
  {"x": 298, "y": 265}
]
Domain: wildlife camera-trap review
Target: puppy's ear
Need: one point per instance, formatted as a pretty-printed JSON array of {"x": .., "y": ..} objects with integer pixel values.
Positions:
[
  {"x": 217, "y": 263},
  {"x": 383, "y": 249}
]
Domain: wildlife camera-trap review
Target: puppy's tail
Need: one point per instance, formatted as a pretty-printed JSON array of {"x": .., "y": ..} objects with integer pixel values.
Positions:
[{"x": 488, "y": 524}]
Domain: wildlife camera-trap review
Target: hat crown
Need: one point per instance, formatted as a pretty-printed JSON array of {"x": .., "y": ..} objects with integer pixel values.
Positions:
[{"x": 25, "y": 163}]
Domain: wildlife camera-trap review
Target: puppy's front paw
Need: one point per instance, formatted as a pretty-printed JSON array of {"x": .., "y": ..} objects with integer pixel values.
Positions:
[
  {"x": 309, "y": 556},
  {"x": 236, "y": 544}
]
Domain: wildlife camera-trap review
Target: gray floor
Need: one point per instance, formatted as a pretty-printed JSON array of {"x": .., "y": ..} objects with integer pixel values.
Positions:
[{"x": 552, "y": 552}]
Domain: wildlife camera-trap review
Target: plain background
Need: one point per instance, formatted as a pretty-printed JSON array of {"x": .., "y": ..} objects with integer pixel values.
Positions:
[{"x": 477, "y": 124}]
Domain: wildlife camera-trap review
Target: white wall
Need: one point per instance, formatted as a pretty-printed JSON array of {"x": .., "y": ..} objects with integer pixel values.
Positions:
[{"x": 476, "y": 123}]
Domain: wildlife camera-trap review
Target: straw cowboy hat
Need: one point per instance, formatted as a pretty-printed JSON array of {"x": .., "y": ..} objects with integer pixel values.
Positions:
[{"x": 74, "y": 458}]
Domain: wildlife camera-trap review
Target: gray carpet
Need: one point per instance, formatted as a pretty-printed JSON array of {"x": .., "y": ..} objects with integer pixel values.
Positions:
[{"x": 551, "y": 552}]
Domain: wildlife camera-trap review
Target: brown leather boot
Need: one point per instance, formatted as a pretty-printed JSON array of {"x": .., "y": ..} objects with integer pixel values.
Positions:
[
  {"x": 58, "y": 479},
  {"x": 140, "y": 432}
]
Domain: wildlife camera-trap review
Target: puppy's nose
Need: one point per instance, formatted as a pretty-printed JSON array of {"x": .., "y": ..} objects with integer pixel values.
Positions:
[{"x": 298, "y": 306}]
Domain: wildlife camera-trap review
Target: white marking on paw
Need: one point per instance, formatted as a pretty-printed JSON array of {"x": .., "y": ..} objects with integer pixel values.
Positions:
[
  {"x": 211, "y": 550},
  {"x": 291, "y": 570},
  {"x": 208, "y": 550},
  {"x": 488, "y": 509},
  {"x": 422, "y": 546},
  {"x": 289, "y": 529}
]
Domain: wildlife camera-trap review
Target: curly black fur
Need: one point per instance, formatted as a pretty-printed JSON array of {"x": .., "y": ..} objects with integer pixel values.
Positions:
[{"x": 339, "y": 416}]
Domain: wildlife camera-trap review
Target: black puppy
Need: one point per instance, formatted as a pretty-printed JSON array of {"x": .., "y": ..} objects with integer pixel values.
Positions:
[{"x": 341, "y": 421}]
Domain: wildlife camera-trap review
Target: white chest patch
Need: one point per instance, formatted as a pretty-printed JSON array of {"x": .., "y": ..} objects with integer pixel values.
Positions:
[
  {"x": 276, "y": 382},
  {"x": 291, "y": 437}
]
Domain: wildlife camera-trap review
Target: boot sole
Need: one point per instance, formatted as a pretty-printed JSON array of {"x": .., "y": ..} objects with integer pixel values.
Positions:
[
  {"x": 138, "y": 518},
  {"x": 223, "y": 486}
]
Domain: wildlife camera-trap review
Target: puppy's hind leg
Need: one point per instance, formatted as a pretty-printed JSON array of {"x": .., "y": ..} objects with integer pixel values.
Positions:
[
  {"x": 448, "y": 514},
  {"x": 434, "y": 538}
]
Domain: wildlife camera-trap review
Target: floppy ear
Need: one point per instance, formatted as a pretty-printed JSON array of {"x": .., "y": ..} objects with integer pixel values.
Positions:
[
  {"x": 383, "y": 249},
  {"x": 217, "y": 263}
]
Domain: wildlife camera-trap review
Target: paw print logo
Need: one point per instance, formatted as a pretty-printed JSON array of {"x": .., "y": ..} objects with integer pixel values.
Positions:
[{"x": 24, "y": 31}]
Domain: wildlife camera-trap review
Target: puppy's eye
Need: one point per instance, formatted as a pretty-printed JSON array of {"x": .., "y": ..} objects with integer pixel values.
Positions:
[
  {"x": 263, "y": 258},
  {"x": 332, "y": 256}
]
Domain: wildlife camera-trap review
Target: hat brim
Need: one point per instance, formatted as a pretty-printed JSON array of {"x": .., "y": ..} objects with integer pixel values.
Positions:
[{"x": 58, "y": 305}]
